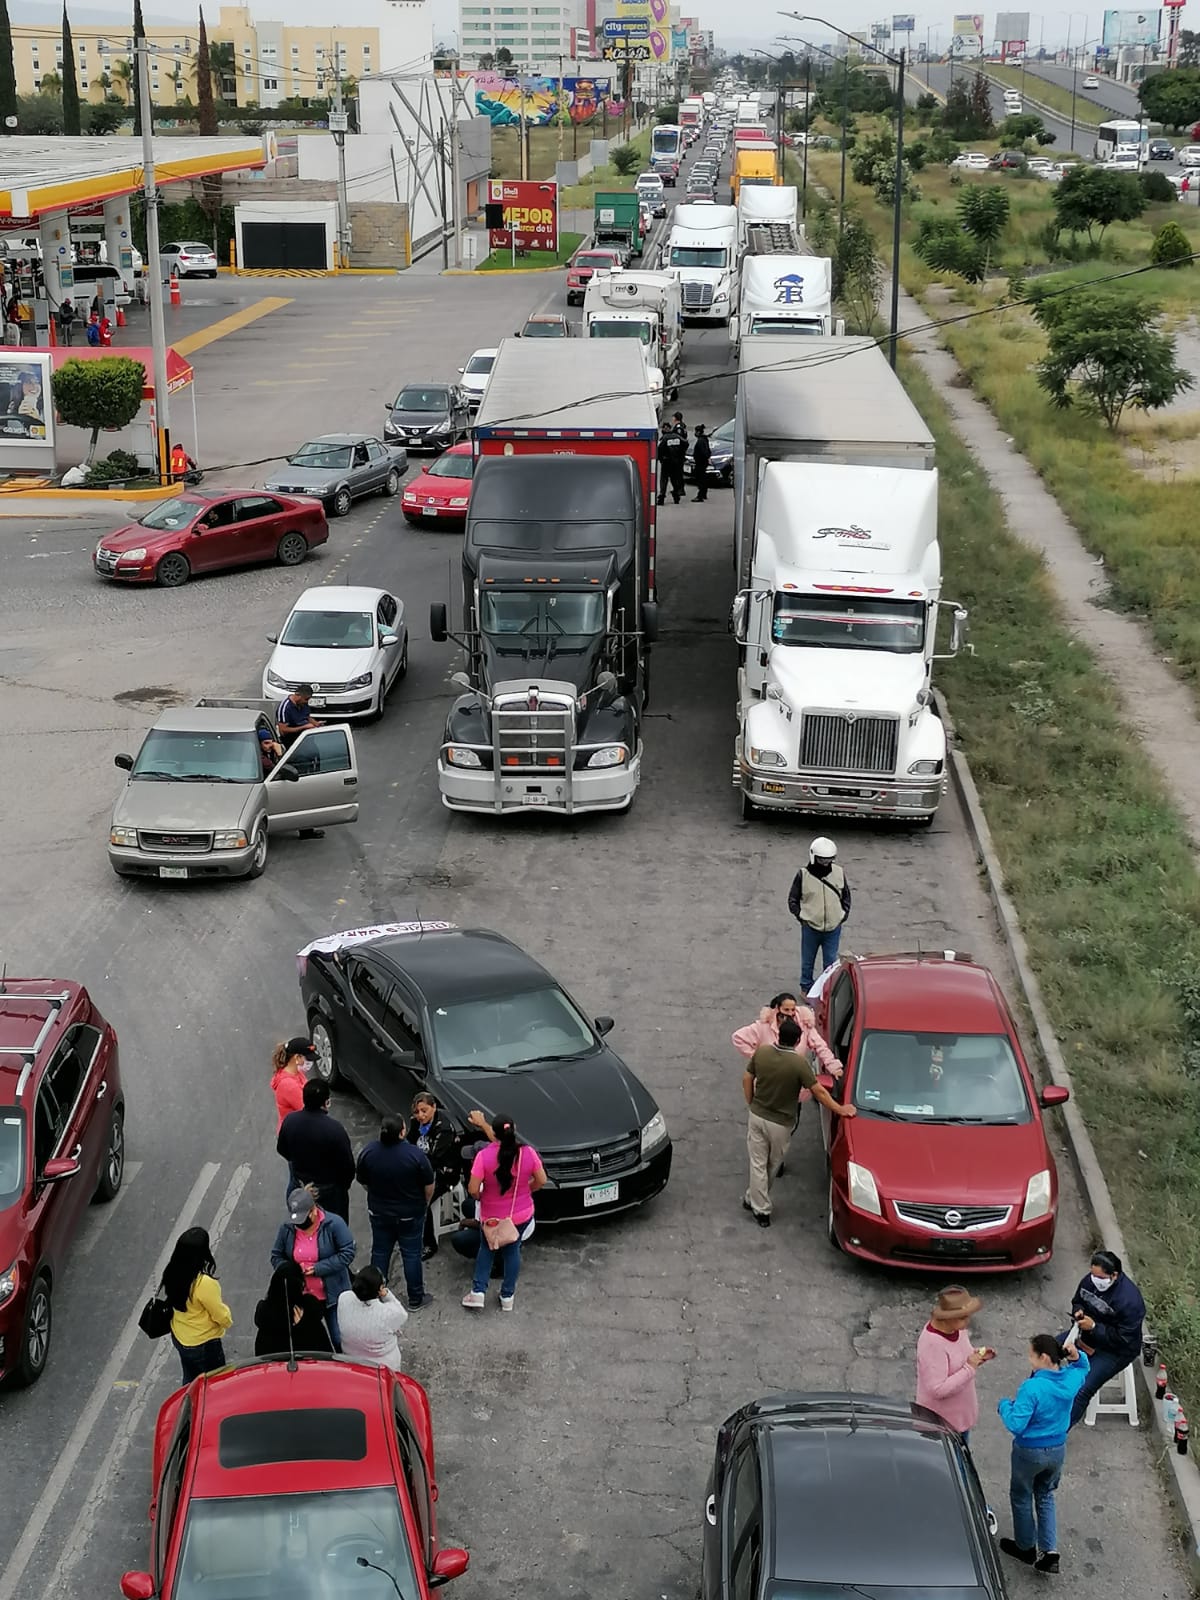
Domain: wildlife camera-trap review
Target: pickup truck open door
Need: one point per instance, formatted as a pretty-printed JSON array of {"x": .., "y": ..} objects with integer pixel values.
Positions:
[{"x": 316, "y": 783}]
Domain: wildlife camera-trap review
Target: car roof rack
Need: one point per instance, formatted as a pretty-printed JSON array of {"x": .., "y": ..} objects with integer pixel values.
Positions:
[{"x": 30, "y": 1052}]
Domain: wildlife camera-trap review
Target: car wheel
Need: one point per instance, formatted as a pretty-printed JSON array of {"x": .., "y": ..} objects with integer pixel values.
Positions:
[
  {"x": 830, "y": 1224},
  {"x": 293, "y": 548},
  {"x": 324, "y": 1041},
  {"x": 381, "y": 703},
  {"x": 35, "y": 1337},
  {"x": 749, "y": 809},
  {"x": 402, "y": 669},
  {"x": 391, "y": 484},
  {"x": 113, "y": 1169},
  {"x": 413, "y": 522},
  {"x": 259, "y": 852},
  {"x": 340, "y": 505},
  {"x": 172, "y": 571},
  {"x": 727, "y": 478}
]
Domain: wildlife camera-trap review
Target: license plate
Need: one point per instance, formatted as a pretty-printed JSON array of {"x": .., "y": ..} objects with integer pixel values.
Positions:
[
  {"x": 172, "y": 872},
  {"x": 600, "y": 1194},
  {"x": 316, "y": 700},
  {"x": 537, "y": 799},
  {"x": 430, "y": 511},
  {"x": 773, "y": 788}
]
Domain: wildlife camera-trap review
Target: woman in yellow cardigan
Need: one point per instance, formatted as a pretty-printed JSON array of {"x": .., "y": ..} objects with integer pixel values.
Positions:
[{"x": 200, "y": 1317}]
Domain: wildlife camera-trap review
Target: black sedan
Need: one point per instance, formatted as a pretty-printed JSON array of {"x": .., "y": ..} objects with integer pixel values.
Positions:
[
  {"x": 1160, "y": 150},
  {"x": 428, "y": 416},
  {"x": 822, "y": 1495},
  {"x": 720, "y": 463},
  {"x": 468, "y": 1015}
]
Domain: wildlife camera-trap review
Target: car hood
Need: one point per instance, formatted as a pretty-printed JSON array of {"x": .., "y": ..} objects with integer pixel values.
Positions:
[
  {"x": 303, "y": 664},
  {"x": 475, "y": 382},
  {"x": 181, "y": 807},
  {"x": 949, "y": 1163},
  {"x": 417, "y": 419},
  {"x": 132, "y": 536},
  {"x": 301, "y": 478},
  {"x": 587, "y": 1101},
  {"x": 440, "y": 488}
]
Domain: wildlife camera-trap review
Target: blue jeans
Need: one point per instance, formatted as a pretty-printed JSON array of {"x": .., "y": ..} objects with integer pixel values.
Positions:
[
  {"x": 197, "y": 1359},
  {"x": 810, "y": 942},
  {"x": 1105, "y": 1364},
  {"x": 510, "y": 1261},
  {"x": 405, "y": 1234},
  {"x": 1035, "y": 1475}
]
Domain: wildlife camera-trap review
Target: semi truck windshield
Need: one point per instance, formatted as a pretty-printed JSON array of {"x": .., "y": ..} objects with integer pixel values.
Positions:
[
  {"x": 525, "y": 615},
  {"x": 849, "y": 622},
  {"x": 695, "y": 255}
]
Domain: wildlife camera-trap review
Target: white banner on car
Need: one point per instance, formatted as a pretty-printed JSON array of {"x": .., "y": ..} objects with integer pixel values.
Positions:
[{"x": 381, "y": 930}]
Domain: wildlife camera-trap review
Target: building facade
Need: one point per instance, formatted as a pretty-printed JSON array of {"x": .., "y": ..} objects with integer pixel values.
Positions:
[{"x": 536, "y": 34}]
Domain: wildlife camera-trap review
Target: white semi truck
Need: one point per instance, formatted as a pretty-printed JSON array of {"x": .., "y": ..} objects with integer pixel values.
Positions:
[
  {"x": 701, "y": 252},
  {"x": 646, "y": 306},
  {"x": 785, "y": 296},
  {"x": 768, "y": 221}
]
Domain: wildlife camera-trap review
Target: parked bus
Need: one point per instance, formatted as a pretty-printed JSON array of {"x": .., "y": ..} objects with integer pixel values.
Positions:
[{"x": 1110, "y": 134}]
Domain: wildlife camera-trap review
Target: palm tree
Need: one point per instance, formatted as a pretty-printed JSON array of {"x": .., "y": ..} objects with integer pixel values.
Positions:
[
  {"x": 51, "y": 83},
  {"x": 123, "y": 76},
  {"x": 222, "y": 65},
  {"x": 176, "y": 77},
  {"x": 105, "y": 81}
]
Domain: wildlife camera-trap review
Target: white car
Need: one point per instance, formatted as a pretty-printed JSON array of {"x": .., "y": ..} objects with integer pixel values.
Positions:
[
  {"x": 650, "y": 187},
  {"x": 1189, "y": 156},
  {"x": 1091, "y": 83},
  {"x": 1040, "y": 166},
  {"x": 972, "y": 160},
  {"x": 349, "y": 645},
  {"x": 475, "y": 376},
  {"x": 136, "y": 254},
  {"x": 187, "y": 260},
  {"x": 1125, "y": 158}
]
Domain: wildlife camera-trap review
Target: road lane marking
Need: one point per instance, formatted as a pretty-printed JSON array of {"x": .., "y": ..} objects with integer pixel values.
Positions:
[
  {"x": 227, "y": 325},
  {"x": 140, "y": 1394},
  {"x": 87, "y": 1244},
  {"x": 60, "y": 1475}
]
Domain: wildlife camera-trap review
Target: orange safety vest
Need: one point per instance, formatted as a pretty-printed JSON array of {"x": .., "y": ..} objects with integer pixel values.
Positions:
[{"x": 179, "y": 460}]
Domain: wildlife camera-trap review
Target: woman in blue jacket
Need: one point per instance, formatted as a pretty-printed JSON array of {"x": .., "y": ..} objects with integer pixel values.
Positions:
[{"x": 1038, "y": 1419}]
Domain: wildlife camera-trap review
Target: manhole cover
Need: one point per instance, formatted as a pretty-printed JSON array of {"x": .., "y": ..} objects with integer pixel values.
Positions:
[{"x": 150, "y": 696}]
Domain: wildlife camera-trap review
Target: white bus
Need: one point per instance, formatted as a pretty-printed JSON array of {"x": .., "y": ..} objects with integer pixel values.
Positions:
[{"x": 1111, "y": 134}]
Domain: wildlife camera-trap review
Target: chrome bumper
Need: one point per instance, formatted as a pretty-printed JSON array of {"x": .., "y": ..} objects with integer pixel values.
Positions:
[
  {"x": 836, "y": 794},
  {"x": 564, "y": 794}
]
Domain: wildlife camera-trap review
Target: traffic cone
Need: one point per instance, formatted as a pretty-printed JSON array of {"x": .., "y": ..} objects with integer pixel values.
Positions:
[
  {"x": 120, "y": 317},
  {"x": 176, "y": 297}
]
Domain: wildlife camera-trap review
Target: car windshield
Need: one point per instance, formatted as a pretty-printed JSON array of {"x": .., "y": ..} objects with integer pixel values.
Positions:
[
  {"x": 481, "y": 363},
  {"x": 621, "y": 330},
  {"x": 724, "y": 434},
  {"x": 505, "y": 1031},
  {"x": 691, "y": 255},
  {"x": 849, "y": 622},
  {"x": 545, "y": 330},
  {"x": 256, "y": 1547},
  {"x": 330, "y": 630},
  {"x": 940, "y": 1077},
  {"x": 12, "y": 1157},
  {"x": 564, "y": 617},
  {"x": 598, "y": 261},
  {"x": 173, "y": 754},
  {"x": 174, "y": 513},
  {"x": 451, "y": 466},
  {"x": 318, "y": 454},
  {"x": 422, "y": 400}
]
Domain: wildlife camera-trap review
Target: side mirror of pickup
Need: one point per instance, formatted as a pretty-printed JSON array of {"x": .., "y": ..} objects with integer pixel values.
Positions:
[
  {"x": 650, "y": 621},
  {"x": 124, "y": 762},
  {"x": 438, "y": 630}
]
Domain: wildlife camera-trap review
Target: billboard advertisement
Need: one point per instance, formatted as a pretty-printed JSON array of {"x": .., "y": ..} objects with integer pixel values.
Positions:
[
  {"x": 905, "y": 24},
  {"x": 530, "y": 215},
  {"x": 26, "y": 415},
  {"x": 1011, "y": 25},
  {"x": 679, "y": 41},
  {"x": 504, "y": 100},
  {"x": 967, "y": 35},
  {"x": 655, "y": 15},
  {"x": 1130, "y": 27}
]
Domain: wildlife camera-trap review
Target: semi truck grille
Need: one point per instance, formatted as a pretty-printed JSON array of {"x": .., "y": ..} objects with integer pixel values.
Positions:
[
  {"x": 697, "y": 296},
  {"x": 834, "y": 742},
  {"x": 593, "y": 1161},
  {"x": 533, "y": 734}
]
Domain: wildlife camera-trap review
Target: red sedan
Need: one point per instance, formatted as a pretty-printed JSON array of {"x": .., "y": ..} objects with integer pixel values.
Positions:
[
  {"x": 303, "y": 1481},
  {"x": 946, "y": 1165},
  {"x": 440, "y": 493},
  {"x": 207, "y": 531}
]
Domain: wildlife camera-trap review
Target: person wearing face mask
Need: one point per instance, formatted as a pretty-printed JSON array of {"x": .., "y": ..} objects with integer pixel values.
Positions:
[
  {"x": 819, "y": 899},
  {"x": 1108, "y": 1310},
  {"x": 765, "y": 1030}
]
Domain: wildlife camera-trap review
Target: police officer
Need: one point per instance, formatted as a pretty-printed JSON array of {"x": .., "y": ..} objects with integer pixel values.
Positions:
[
  {"x": 701, "y": 456},
  {"x": 672, "y": 461}
]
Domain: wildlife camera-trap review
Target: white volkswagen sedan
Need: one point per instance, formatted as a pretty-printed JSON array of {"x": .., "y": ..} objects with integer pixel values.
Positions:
[
  {"x": 476, "y": 374},
  {"x": 349, "y": 645}
]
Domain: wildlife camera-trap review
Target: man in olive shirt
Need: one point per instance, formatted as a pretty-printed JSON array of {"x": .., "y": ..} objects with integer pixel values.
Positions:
[{"x": 772, "y": 1083}]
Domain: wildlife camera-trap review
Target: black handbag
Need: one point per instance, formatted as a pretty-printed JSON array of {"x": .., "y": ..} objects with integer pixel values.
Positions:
[{"x": 155, "y": 1320}]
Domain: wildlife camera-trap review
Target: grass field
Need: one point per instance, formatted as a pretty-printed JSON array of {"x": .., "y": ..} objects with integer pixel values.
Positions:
[
  {"x": 1101, "y": 872},
  {"x": 1053, "y": 95},
  {"x": 607, "y": 177},
  {"x": 536, "y": 260},
  {"x": 545, "y": 147}
]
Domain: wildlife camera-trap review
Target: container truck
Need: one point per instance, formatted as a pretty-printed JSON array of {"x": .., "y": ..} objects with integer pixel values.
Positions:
[
  {"x": 752, "y": 168},
  {"x": 785, "y": 295},
  {"x": 746, "y": 115},
  {"x": 617, "y": 222},
  {"x": 701, "y": 252},
  {"x": 691, "y": 112},
  {"x": 767, "y": 222},
  {"x": 642, "y": 306},
  {"x": 558, "y": 576}
]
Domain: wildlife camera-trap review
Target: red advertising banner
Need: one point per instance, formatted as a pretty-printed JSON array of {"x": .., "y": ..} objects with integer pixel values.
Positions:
[{"x": 530, "y": 210}]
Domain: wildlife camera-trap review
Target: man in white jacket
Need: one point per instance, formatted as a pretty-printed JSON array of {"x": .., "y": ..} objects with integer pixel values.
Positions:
[{"x": 370, "y": 1319}]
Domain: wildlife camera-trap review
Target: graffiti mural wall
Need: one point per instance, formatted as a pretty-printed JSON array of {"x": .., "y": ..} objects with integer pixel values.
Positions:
[{"x": 501, "y": 99}]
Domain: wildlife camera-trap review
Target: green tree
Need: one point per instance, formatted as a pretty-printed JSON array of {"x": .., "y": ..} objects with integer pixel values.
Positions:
[
  {"x": 204, "y": 84},
  {"x": 967, "y": 115},
  {"x": 122, "y": 76},
  {"x": 857, "y": 269},
  {"x": 1189, "y": 48},
  {"x": 8, "y": 74},
  {"x": 1087, "y": 199},
  {"x": 625, "y": 159},
  {"x": 51, "y": 84},
  {"x": 1173, "y": 97},
  {"x": 981, "y": 104},
  {"x": 504, "y": 60},
  {"x": 1018, "y": 129},
  {"x": 139, "y": 66},
  {"x": 942, "y": 245},
  {"x": 105, "y": 393},
  {"x": 70, "y": 92},
  {"x": 1104, "y": 354},
  {"x": 983, "y": 212},
  {"x": 668, "y": 113},
  {"x": 103, "y": 118},
  {"x": 486, "y": 62},
  {"x": 1157, "y": 188},
  {"x": 40, "y": 114},
  {"x": 1171, "y": 247}
]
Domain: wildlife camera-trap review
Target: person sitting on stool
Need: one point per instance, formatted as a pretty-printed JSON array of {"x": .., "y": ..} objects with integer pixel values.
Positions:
[{"x": 1108, "y": 1310}]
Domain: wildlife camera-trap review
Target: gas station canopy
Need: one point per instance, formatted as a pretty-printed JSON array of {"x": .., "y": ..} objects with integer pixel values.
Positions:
[{"x": 39, "y": 176}]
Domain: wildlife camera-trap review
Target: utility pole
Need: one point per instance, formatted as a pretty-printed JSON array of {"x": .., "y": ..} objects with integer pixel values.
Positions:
[
  {"x": 807, "y": 126},
  {"x": 457, "y": 95},
  {"x": 158, "y": 327},
  {"x": 779, "y": 127},
  {"x": 339, "y": 121}
]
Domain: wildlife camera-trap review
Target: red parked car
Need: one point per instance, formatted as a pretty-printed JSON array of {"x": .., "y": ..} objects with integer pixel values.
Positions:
[
  {"x": 209, "y": 530},
  {"x": 946, "y": 1165},
  {"x": 441, "y": 492},
  {"x": 62, "y": 1144},
  {"x": 297, "y": 1479},
  {"x": 581, "y": 267}
]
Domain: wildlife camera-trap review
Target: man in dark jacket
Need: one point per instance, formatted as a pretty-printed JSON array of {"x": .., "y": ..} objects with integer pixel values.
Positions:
[
  {"x": 399, "y": 1182},
  {"x": 672, "y": 462},
  {"x": 819, "y": 899},
  {"x": 317, "y": 1148},
  {"x": 431, "y": 1130},
  {"x": 701, "y": 456},
  {"x": 1108, "y": 1310}
]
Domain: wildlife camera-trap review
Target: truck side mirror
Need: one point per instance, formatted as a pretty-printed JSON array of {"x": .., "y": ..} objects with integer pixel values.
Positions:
[
  {"x": 650, "y": 621},
  {"x": 460, "y": 680},
  {"x": 738, "y": 615},
  {"x": 958, "y": 629},
  {"x": 437, "y": 623}
]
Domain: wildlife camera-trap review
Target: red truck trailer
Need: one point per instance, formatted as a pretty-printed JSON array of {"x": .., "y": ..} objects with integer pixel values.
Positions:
[{"x": 574, "y": 397}]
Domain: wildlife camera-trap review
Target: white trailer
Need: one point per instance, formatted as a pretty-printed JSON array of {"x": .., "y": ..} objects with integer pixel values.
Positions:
[
  {"x": 785, "y": 296},
  {"x": 768, "y": 220}
]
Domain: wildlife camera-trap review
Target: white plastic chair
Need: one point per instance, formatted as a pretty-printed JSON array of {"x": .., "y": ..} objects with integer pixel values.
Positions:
[{"x": 1126, "y": 1407}]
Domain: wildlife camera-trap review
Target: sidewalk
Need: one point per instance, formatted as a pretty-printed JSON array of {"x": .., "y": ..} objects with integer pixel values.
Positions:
[{"x": 1156, "y": 706}]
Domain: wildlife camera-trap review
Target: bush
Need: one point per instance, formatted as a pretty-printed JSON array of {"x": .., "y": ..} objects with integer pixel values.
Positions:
[
  {"x": 1171, "y": 247},
  {"x": 625, "y": 159},
  {"x": 103, "y": 393},
  {"x": 118, "y": 467},
  {"x": 1157, "y": 187},
  {"x": 943, "y": 246}
]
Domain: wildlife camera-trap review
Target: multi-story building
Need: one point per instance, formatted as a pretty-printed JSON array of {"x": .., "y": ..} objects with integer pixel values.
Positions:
[
  {"x": 535, "y": 34},
  {"x": 271, "y": 61}
]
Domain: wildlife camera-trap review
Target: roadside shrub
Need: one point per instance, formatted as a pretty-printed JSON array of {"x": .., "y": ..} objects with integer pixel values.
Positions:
[
  {"x": 624, "y": 159},
  {"x": 1157, "y": 187},
  {"x": 1171, "y": 247},
  {"x": 944, "y": 247},
  {"x": 118, "y": 467}
]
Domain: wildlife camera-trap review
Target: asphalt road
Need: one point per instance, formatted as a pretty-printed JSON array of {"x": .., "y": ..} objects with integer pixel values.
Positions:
[{"x": 574, "y": 1436}]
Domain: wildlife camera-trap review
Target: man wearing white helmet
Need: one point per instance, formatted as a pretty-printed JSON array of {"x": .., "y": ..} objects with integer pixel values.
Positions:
[{"x": 819, "y": 900}]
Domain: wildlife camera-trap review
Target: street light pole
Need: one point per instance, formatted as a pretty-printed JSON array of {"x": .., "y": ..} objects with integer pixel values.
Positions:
[
  {"x": 808, "y": 124},
  {"x": 158, "y": 326}
]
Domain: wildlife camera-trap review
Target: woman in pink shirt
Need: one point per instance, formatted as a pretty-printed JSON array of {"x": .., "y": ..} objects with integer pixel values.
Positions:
[
  {"x": 505, "y": 1176},
  {"x": 946, "y": 1363},
  {"x": 290, "y": 1066},
  {"x": 766, "y": 1031}
]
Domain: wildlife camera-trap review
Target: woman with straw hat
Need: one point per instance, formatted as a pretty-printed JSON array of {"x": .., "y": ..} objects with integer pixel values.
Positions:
[{"x": 947, "y": 1363}]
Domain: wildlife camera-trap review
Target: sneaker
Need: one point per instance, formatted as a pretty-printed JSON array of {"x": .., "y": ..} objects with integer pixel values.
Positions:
[
  {"x": 506, "y": 1302},
  {"x": 763, "y": 1218},
  {"x": 419, "y": 1305},
  {"x": 1012, "y": 1548},
  {"x": 474, "y": 1301},
  {"x": 428, "y": 1252},
  {"x": 1047, "y": 1561}
]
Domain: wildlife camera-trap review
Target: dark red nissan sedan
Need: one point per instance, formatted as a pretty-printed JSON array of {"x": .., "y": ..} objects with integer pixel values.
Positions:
[{"x": 208, "y": 531}]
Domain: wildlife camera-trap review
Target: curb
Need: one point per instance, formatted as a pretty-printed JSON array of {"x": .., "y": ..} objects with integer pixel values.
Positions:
[
  {"x": 1180, "y": 1473},
  {"x": 72, "y": 502},
  {"x": 500, "y": 272}
]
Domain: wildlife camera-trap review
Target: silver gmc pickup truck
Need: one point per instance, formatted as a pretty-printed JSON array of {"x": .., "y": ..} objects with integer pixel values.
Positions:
[{"x": 198, "y": 801}]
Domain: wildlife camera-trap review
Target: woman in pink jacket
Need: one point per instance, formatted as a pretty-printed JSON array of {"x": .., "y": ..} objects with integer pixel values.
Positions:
[
  {"x": 946, "y": 1362},
  {"x": 766, "y": 1031}
]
